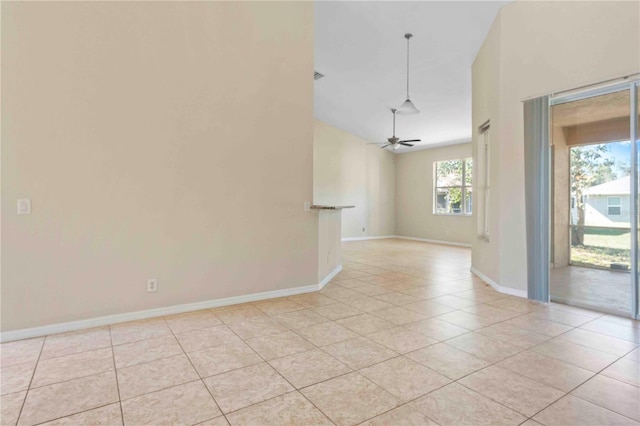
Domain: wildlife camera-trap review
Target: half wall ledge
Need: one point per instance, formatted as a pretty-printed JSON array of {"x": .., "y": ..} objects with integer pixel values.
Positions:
[{"x": 318, "y": 207}]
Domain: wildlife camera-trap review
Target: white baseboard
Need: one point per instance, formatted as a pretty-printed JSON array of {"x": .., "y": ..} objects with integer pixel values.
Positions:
[
  {"x": 329, "y": 277},
  {"x": 402, "y": 237},
  {"x": 378, "y": 237},
  {"x": 505, "y": 290},
  {"x": 46, "y": 330},
  {"x": 426, "y": 240}
]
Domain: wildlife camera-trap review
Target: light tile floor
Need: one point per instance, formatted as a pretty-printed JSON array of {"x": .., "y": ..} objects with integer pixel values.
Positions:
[{"x": 405, "y": 335}]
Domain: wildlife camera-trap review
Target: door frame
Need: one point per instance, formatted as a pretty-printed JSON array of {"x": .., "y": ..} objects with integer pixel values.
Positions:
[{"x": 633, "y": 86}]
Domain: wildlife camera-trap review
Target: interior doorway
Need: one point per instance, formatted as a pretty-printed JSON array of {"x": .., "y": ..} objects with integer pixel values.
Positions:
[{"x": 594, "y": 201}]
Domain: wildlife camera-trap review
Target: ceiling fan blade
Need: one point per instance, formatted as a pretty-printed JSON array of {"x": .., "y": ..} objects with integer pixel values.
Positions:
[
  {"x": 405, "y": 144},
  {"x": 383, "y": 147},
  {"x": 376, "y": 143},
  {"x": 411, "y": 140}
]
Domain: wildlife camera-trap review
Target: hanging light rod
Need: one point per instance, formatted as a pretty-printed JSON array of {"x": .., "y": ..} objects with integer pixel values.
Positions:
[{"x": 407, "y": 106}]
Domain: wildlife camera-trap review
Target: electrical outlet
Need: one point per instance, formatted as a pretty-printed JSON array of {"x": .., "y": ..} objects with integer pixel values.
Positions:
[
  {"x": 24, "y": 206},
  {"x": 152, "y": 285}
]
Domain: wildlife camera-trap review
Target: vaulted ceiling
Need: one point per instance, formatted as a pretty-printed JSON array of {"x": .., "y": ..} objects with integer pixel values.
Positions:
[{"x": 361, "y": 50}]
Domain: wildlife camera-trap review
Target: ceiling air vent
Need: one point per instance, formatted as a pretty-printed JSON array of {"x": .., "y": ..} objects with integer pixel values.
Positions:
[{"x": 317, "y": 75}]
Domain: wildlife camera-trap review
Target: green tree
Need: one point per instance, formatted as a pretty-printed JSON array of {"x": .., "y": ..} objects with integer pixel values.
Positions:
[
  {"x": 624, "y": 169},
  {"x": 589, "y": 167},
  {"x": 449, "y": 175}
]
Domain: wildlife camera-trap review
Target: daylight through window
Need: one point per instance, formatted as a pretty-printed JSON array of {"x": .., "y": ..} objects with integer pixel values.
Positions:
[{"x": 453, "y": 194}]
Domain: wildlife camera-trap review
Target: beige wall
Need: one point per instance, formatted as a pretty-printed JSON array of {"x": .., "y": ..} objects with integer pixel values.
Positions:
[
  {"x": 485, "y": 82},
  {"x": 414, "y": 197},
  {"x": 347, "y": 171},
  {"x": 329, "y": 242},
  {"x": 170, "y": 140},
  {"x": 533, "y": 49}
]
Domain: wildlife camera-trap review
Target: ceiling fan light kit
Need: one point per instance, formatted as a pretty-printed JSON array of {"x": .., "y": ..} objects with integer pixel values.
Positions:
[{"x": 407, "y": 106}]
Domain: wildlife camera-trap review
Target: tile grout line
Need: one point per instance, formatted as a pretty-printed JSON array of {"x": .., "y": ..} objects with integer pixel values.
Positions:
[
  {"x": 161, "y": 389},
  {"x": 35, "y": 368},
  {"x": 72, "y": 414},
  {"x": 115, "y": 371},
  {"x": 89, "y": 375},
  {"x": 186, "y": 355},
  {"x": 321, "y": 348},
  {"x": 398, "y": 355},
  {"x": 494, "y": 363},
  {"x": 619, "y": 357},
  {"x": 582, "y": 399},
  {"x": 457, "y": 381},
  {"x": 144, "y": 362},
  {"x": 74, "y": 378},
  {"x": 277, "y": 372},
  {"x": 406, "y": 404},
  {"x": 75, "y": 353},
  {"x": 434, "y": 390},
  {"x": 607, "y": 335},
  {"x": 81, "y": 377},
  {"x": 264, "y": 360},
  {"x": 536, "y": 381}
]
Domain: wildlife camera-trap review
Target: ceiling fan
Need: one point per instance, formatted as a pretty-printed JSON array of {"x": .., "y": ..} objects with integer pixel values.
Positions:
[{"x": 393, "y": 141}]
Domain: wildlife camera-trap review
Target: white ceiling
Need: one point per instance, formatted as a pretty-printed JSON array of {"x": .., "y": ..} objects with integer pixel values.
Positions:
[{"x": 361, "y": 50}]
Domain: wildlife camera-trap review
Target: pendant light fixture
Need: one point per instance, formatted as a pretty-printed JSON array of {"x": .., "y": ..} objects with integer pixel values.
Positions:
[{"x": 408, "y": 107}]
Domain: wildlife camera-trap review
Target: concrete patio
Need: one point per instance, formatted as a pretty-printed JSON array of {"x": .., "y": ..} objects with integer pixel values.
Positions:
[{"x": 605, "y": 291}]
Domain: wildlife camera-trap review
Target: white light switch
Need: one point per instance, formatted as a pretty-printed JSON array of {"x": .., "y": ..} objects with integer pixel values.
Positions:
[{"x": 24, "y": 206}]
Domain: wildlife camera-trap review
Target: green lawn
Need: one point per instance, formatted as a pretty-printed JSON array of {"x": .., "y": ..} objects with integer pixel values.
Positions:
[
  {"x": 602, "y": 246},
  {"x": 611, "y": 238}
]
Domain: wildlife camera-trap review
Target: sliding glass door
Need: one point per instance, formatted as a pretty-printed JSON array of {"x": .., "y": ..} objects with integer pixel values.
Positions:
[
  {"x": 635, "y": 136},
  {"x": 594, "y": 196}
]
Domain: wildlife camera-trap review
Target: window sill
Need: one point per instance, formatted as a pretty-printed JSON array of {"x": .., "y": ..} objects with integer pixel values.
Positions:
[{"x": 453, "y": 214}]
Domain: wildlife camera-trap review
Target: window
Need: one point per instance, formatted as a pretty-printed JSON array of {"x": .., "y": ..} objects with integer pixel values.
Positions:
[
  {"x": 453, "y": 193},
  {"x": 483, "y": 183},
  {"x": 613, "y": 206}
]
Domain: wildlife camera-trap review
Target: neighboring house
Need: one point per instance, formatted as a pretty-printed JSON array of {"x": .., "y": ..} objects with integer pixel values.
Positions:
[{"x": 607, "y": 204}]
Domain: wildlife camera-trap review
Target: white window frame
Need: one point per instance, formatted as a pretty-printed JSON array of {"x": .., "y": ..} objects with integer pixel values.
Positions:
[
  {"x": 464, "y": 187},
  {"x": 619, "y": 206},
  {"x": 483, "y": 180}
]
